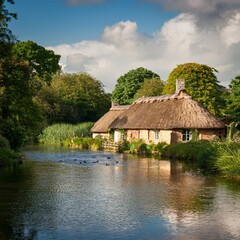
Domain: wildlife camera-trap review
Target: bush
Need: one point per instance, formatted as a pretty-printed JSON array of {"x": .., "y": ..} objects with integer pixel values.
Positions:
[
  {"x": 202, "y": 153},
  {"x": 158, "y": 148},
  {"x": 8, "y": 157},
  {"x": 138, "y": 146},
  {"x": 228, "y": 161},
  {"x": 4, "y": 142}
]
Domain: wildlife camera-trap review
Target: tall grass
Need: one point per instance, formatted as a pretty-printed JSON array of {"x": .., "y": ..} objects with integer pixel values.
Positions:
[
  {"x": 58, "y": 133},
  {"x": 228, "y": 161}
]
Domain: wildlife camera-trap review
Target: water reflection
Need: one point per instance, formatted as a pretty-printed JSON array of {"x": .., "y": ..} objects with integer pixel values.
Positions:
[{"x": 113, "y": 196}]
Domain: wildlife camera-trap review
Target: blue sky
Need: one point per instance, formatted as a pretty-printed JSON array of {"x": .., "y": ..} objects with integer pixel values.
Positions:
[
  {"x": 107, "y": 38},
  {"x": 52, "y": 22}
]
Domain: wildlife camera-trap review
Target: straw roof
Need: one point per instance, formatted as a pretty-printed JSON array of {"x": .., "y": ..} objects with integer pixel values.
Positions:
[
  {"x": 102, "y": 125},
  {"x": 173, "y": 111}
]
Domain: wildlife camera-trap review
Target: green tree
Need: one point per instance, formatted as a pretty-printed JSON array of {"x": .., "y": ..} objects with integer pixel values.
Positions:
[
  {"x": 150, "y": 87},
  {"x": 128, "y": 85},
  {"x": 43, "y": 63},
  {"x": 233, "y": 101},
  {"x": 18, "y": 112},
  {"x": 6, "y": 36},
  {"x": 73, "y": 98},
  {"x": 20, "y": 65},
  {"x": 200, "y": 82}
]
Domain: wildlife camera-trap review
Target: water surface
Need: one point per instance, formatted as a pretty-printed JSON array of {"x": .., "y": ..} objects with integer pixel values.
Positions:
[{"x": 72, "y": 194}]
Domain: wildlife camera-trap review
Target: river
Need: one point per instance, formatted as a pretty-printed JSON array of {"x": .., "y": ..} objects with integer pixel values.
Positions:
[{"x": 73, "y": 194}]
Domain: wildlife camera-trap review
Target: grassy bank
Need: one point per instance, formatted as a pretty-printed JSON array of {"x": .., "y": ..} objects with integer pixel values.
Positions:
[
  {"x": 73, "y": 136},
  {"x": 207, "y": 156}
]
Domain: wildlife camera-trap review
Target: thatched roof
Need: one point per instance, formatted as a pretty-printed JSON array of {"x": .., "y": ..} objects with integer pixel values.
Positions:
[
  {"x": 102, "y": 125},
  {"x": 173, "y": 111}
]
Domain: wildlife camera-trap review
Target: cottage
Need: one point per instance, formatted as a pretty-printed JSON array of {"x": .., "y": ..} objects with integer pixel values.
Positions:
[
  {"x": 101, "y": 127},
  {"x": 169, "y": 118}
]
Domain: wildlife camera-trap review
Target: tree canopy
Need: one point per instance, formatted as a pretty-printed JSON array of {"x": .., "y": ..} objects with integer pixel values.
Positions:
[
  {"x": 200, "y": 82},
  {"x": 73, "y": 98},
  {"x": 43, "y": 63},
  {"x": 129, "y": 83},
  {"x": 20, "y": 65},
  {"x": 233, "y": 100},
  {"x": 6, "y": 35},
  {"x": 150, "y": 87}
]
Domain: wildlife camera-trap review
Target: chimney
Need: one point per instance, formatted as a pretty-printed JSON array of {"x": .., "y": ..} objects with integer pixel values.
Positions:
[
  {"x": 114, "y": 104},
  {"x": 180, "y": 85}
]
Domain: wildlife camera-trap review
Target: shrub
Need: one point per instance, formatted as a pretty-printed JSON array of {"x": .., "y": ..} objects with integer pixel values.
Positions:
[
  {"x": 138, "y": 146},
  {"x": 202, "y": 153},
  {"x": 228, "y": 161},
  {"x": 8, "y": 157},
  {"x": 4, "y": 142},
  {"x": 157, "y": 149}
]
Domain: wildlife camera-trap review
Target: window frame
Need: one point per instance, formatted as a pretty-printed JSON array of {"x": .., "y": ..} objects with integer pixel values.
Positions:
[
  {"x": 186, "y": 135},
  {"x": 156, "y": 134}
]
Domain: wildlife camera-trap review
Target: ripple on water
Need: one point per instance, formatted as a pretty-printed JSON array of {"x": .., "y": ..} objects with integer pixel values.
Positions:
[{"x": 53, "y": 196}]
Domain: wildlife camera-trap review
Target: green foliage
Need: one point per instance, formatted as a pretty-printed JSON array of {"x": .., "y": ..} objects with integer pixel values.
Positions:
[
  {"x": 4, "y": 142},
  {"x": 233, "y": 101},
  {"x": 200, "y": 82},
  {"x": 232, "y": 131},
  {"x": 150, "y": 87},
  {"x": 20, "y": 65},
  {"x": 19, "y": 114},
  {"x": 128, "y": 85},
  {"x": 202, "y": 153},
  {"x": 138, "y": 146},
  {"x": 58, "y": 133},
  {"x": 8, "y": 157},
  {"x": 42, "y": 63},
  {"x": 85, "y": 143},
  {"x": 228, "y": 161},
  {"x": 158, "y": 148},
  {"x": 6, "y": 36},
  {"x": 73, "y": 98}
]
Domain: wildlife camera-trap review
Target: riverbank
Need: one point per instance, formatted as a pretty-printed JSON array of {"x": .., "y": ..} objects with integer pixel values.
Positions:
[{"x": 209, "y": 157}]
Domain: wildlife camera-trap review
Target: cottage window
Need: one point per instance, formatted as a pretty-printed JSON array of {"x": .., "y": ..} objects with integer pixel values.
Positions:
[
  {"x": 157, "y": 134},
  {"x": 186, "y": 135}
]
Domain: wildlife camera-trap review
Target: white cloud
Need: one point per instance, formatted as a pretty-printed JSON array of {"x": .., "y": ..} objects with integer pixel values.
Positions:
[
  {"x": 231, "y": 32},
  {"x": 121, "y": 48},
  {"x": 199, "y": 6}
]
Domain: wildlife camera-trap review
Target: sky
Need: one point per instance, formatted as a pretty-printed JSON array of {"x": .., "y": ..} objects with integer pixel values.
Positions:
[{"x": 107, "y": 38}]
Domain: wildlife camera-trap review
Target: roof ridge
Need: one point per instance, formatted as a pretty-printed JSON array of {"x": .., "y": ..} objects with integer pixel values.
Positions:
[{"x": 182, "y": 94}]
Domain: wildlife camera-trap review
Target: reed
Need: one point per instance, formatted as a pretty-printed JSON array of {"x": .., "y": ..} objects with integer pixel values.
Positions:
[
  {"x": 58, "y": 133},
  {"x": 228, "y": 162}
]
